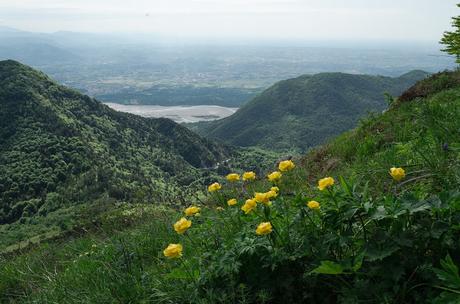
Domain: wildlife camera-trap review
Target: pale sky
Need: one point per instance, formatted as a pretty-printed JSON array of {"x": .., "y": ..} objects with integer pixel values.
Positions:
[{"x": 415, "y": 20}]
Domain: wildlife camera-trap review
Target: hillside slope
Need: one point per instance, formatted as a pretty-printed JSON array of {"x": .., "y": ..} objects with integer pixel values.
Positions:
[
  {"x": 60, "y": 148},
  {"x": 299, "y": 113},
  {"x": 369, "y": 238}
]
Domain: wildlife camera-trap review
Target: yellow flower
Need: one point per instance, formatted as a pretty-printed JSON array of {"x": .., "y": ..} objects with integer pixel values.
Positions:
[
  {"x": 276, "y": 189},
  {"x": 220, "y": 209},
  {"x": 264, "y": 228},
  {"x": 233, "y": 177},
  {"x": 173, "y": 251},
  {"x": 313, "y": 205},
  {"x": 286, "y": 165},
  {"x": 192, "y": 210},
  {"x": 248, "y": 176},
  {"x": 274, "y": 176},
  {"x": 271, "y": 194},
  {"x": 232, "y": 202},
  {"x": 398, "y": 174},
  {"x": 182, "y": 225},
  {"x": 325, "y": 183},
  {"x": 249, "y": 205},
  {"x": 261, "y": 197},
  {"x": 214, "y": 187}
]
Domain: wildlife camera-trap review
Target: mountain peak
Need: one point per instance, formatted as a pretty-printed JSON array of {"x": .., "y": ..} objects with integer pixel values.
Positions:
[
  {"x": 10, "y": 69},
  {"x": 299, "y": 113},
  {"x": 415, "y": 74}
]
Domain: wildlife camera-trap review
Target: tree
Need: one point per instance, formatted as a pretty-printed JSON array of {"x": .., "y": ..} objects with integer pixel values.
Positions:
[{"x": 452, "y": 39}]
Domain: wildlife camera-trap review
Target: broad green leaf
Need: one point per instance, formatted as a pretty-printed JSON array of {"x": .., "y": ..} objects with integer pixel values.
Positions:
[
  {"x": 379, "y": 253},
  {"x": 345, "y": 186},
  {"x": 328, "y": 267}
]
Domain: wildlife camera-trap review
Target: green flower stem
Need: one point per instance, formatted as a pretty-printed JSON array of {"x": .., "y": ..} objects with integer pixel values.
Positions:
[
  {"x": 189, "y": 273},
  {"x": 334, "y": 199},
  {"x": 363, "y": 227}
]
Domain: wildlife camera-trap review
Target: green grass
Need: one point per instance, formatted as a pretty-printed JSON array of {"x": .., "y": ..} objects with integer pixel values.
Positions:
[{"x": 117, "y": 260}]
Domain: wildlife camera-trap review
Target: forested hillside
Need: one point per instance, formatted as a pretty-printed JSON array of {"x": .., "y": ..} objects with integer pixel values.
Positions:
[
  {"x": 297, "y": 114},
  {"x": 60, "y": 148}
]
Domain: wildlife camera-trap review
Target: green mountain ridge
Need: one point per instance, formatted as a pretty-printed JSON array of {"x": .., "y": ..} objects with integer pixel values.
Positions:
[
  {"x": 299, "y": 113},
  {"x": 60, "y": 148}
]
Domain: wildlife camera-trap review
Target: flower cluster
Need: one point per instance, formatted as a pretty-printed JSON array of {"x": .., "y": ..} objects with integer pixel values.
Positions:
[{"x": 263, "y": 201}]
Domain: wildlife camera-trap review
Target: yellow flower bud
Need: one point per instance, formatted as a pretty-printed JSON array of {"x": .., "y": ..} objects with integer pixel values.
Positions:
[
  {"x": 262, "y": 197},
  {"x": 182, "y": 225},
  {"x": 249, "y": 206},
  {"x": 274, "y": 176},
  {"x": 313, "y": 205},
  {"x": 233, "y": 177},
  {"x": 398, "y": 174},
  {"x": 325, "y": 183},
  {"x": 214, "y": 187},
  {"x": 232, "y": 202},
  {"x": 286, "y": 165},
  {"x": 264, "y": 228},
  {"x": 271, "y": 194},
  {"x": 192, "y": 210},
  {"x": 248, "y": 176},
  {"x": 173, "y": 251}
]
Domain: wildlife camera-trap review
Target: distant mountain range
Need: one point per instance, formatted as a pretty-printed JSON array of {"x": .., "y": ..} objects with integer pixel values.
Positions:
[
  {"x": 60, "y": 148},
  {"x": 297, "y": 114}
]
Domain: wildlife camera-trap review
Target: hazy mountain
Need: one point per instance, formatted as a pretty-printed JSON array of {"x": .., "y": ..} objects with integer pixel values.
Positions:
[
  {"x": 58, "y": 148},
  {"x": 305, "y": 111},
  {"x": 34, "y": 52}
]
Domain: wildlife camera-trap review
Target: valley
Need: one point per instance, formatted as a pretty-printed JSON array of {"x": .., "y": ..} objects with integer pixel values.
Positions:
[{"x": 159, "y": 71}]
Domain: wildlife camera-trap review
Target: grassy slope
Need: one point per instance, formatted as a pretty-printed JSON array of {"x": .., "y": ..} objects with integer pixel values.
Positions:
[
  {"x": 421, "y": 135},
  {"x": 297, "y": 114}
]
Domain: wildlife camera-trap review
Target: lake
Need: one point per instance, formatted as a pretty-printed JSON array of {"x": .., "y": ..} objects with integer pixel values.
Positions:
[{"x": 179, "y": 114}]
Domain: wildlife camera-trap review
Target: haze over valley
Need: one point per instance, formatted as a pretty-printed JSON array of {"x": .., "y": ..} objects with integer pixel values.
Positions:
[{"x": 146, "y": 69}]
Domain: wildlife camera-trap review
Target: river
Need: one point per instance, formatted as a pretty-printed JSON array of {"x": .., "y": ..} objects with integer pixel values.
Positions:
[{"x": 179, "y": 114}]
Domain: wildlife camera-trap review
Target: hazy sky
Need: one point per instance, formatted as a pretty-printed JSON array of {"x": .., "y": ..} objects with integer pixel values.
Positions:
[{"x": 423, "y": 20}]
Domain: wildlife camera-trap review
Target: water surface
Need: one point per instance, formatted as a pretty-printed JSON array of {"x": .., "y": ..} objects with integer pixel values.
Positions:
[{"x": 177, "y": 113}]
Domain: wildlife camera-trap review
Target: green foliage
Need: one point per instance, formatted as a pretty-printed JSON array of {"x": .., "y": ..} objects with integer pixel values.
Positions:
[
  {"x": 450, "y": 279},
  {"x": 373, "y": 239},
  {"x": 452, "y": 39},
  {"x": 59, "y": 148},
  {"x": 300, "y": 113}
]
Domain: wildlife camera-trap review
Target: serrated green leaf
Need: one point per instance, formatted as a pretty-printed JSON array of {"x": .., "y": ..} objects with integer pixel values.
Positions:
[{"x": 449, "y": 273}]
